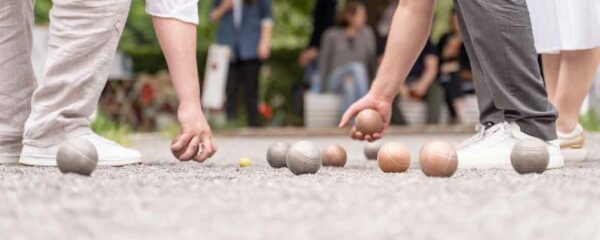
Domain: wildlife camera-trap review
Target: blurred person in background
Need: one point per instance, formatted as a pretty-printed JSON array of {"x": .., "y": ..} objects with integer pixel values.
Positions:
[
  {"x": 420, "y": 84},
  {"x": 323, "y": 18},
  {"x": 454, "y": 69},
  {"x": 245, "y": 26},
  {"x": 347, "y": 58},
  {"x": 567, "y": 35}
]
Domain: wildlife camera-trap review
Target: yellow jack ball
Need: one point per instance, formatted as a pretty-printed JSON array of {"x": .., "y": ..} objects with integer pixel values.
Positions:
[{"x": 245, "y": 162}]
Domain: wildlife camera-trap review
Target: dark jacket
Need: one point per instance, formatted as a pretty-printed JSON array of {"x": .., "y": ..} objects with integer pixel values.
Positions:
[{"x": 243, "y": 41}]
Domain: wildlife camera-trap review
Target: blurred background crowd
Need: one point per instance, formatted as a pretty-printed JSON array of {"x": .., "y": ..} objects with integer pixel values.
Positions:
[{"x": 294, "y": 63}]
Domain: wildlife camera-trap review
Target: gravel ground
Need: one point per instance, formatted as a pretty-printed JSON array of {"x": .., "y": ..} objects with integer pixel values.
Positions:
[{"x": 163, "y": 199}]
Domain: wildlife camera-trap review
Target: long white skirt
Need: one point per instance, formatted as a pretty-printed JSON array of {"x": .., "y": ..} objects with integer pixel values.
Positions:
[{"x": 565, "y": 24}]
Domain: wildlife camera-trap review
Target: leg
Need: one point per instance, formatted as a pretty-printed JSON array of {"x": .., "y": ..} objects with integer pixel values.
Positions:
[
  {"x": 488, "y": 113},
  {"x": 83, "y": 40},
  {"x": 232, "y": 90},
  {"x": 433, "y": 100},
  {"x": 577, "y": 71},
  {"x": 17, "y": 80},
  {"x": 251, "y": 75},
  {"x": 551, "y": 66},
  {"x": 501, "y": 35}
]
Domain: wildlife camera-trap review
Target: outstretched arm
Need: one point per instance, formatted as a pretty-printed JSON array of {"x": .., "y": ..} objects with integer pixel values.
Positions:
[
  {"x": 409, "y": 32},
  {"x": 178, "y": 42}
]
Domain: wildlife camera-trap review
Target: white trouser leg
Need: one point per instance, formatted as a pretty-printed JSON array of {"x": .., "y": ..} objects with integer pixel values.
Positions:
[
  {"x": 17, "y": 79},
  {"x": 82, "y": 42}
]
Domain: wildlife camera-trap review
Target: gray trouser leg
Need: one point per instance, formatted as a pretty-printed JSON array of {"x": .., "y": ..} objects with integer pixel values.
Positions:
[
  {"x": 82, "y": 43},
  {"x": 17, "y": 79},
  {"x": 499, "y": 34}
]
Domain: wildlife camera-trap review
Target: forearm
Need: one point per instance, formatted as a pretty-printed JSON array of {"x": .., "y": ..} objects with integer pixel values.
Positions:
[
  {"x": 178, "y": 42},
  {"x": 409, "y": 32},
  {"x": 431, "y": 70},
  {"x": 265, "y": 33},
  {"x": 218, "y": 13}
]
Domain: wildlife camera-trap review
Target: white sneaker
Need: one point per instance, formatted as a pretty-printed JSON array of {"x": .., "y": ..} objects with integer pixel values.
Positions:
[
  {"x": 572, "y": 145},
  {"x": 9, "y": 153},
  {"x": 109, "y": 153},
  {"x": 495, "y": 149},
  {"x": 478, "y": 136}
]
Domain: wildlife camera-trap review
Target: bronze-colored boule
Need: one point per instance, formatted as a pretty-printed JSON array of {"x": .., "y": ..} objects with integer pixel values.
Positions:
[
  {"x": 369, "y": 121},
  {"x": 334, "y": 156},
  {"x": 438, "y": 159},
  {"x": 393, "y": 158}
]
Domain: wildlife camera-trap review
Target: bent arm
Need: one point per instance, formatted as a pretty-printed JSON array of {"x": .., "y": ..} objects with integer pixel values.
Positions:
[
  {"x": 409, "y": 32},
  {"x": 178, "y": 42}
]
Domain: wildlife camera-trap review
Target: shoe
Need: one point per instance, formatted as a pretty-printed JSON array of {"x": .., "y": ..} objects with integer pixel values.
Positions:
[
  {"x": 10, "y": 153},
  {"x": 494, "y": 150},
  {"x": 109, "y": 153},
  {"x": 479, "y": 134},
  {"x": 572, "y": 145}
]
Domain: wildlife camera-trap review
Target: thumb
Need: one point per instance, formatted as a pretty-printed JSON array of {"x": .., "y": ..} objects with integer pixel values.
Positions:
[{"x": 351, "y": 112}]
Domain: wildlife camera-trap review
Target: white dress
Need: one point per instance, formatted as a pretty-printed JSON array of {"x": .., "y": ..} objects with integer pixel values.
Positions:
[
  {"x": 183, "y": 10},
  {"x": 565, "y": 24}
]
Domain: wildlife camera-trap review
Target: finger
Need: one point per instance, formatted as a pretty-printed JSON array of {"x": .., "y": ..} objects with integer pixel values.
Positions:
[
  {"x": 207, "y": 149},
  {"x": 353, "y": 133},
  {"x": 359, "y": 136},
  {"x": 191, "y": 150},
  {"x": 353, "y": 110},
  {"x": 180, "y": 142},
  {"x": 377, "y": 136},
  {"x": 368, "y": 138}
]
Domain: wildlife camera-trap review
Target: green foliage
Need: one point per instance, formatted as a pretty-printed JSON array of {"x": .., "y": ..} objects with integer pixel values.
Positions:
[
  {"x": 118, "y": 132},
  {"x": 590, "y": 122}
]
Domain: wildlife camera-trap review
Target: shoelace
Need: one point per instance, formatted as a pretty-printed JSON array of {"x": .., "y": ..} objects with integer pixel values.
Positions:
[{"x": 480, "y": 133}]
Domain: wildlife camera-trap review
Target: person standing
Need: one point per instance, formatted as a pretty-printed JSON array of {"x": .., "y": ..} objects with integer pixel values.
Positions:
[
  {"x": 567, "y": 35},
  {"x": 245, "y": 26},
  {"x": 36, "y": 118},
  {"x": 510, "y": 91}
]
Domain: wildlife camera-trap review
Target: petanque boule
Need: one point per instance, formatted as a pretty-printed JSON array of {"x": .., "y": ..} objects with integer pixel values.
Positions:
[
  {"x": 530, "y": 156},
  {"x": 438, "y": 159},
  {"x": 78, "y": 156},
  {"x": 303, "y": 158},
  {"x": 393, "y": 158},
  {"x": 371, "y": 149},
  {"x": 369, "y": 121},
  {"x": 276, "y": 154},
  {"x": 334, "y": 156}
]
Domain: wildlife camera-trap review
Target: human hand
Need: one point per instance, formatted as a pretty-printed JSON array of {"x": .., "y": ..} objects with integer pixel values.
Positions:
[
  {"x": 195, "y": 142},
  {"x": 381, "y": 105},
  {"x": 419, "y": 90},
  {"x": 264, "y": 51},
  {"x": 307, "y": 56},
  {"x": 226, "y": 5}
]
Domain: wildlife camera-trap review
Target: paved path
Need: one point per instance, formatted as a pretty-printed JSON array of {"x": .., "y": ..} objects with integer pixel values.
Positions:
[{"x": 216, "y": 200}]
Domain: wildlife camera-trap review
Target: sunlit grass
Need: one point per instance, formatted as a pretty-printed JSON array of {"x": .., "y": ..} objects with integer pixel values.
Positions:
[
  {"x": 590, "y": 122},
  {"x": 112, "y": 130}
]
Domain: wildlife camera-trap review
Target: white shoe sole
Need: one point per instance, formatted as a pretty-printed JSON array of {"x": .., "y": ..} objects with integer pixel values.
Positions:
[{"x": 51, "y": 162}]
